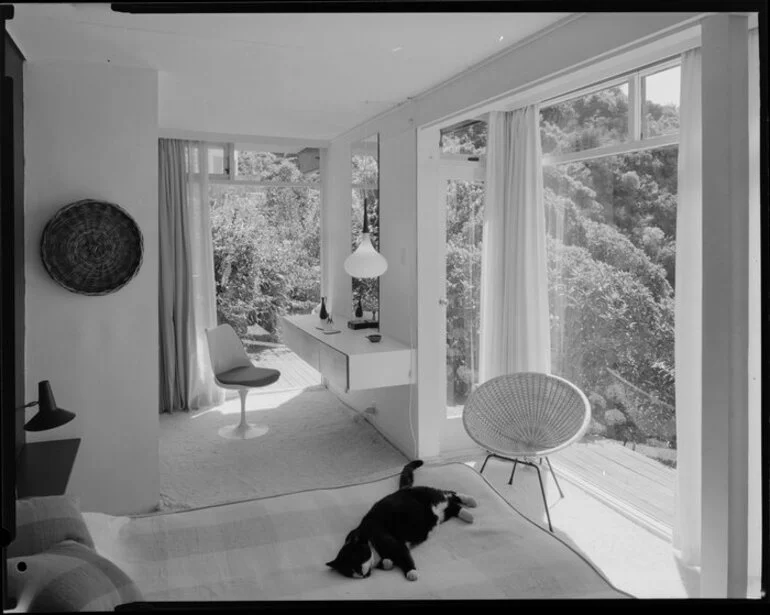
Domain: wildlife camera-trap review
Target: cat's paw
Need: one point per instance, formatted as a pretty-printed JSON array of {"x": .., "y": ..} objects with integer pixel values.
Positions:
[
  {"x": 465, "y": 515},
  {"x": 412, "y": 575},
  {"x": 387, "y": 564},
  {"x": 468, "y": 501}
]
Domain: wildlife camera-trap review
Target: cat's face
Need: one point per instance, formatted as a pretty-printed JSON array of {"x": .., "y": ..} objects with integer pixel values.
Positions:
[{"x": 355, "y": 559}]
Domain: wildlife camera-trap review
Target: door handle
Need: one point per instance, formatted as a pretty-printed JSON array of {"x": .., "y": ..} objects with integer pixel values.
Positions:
[{"x": 442, "y": 301}]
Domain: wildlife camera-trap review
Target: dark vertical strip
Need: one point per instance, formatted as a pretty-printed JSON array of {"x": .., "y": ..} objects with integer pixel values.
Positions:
[
  {"x": 7, "y": 337},
  {"x": 14, "y": 68},
  {"x": 764, "y": 120}
]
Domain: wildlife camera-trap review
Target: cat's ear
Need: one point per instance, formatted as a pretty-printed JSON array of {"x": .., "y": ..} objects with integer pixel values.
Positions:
[{"x": 333, "y": 564}]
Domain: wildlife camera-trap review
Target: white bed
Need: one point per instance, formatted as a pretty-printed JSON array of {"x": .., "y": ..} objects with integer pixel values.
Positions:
[{"x": 276, "y": 548}]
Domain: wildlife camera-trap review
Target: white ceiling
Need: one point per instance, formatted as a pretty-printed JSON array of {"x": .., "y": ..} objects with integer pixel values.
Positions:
[{"x": 300, "y": 75}]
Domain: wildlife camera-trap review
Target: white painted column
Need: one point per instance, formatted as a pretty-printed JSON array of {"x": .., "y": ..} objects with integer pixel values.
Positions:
[
  {"x": 725, "y": 306},
  {"x": 336, "y": 227},
  {"x": 431, "y": 344},
  {"x": 755, "y": 327}
]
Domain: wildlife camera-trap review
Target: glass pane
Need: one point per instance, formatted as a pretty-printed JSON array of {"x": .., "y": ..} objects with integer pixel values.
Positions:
[
  {"x": 587, "y": 122},
  {"x": 468, "y": 137},
  {"x": 266, "y": 255},
  {"x": 217, "y": 160},
  {"x": 366, "y": 170},
  {"x": 611, "y": 245},
  {"x": 661, "y": 102},
  {"x": 273, "y": 167},
  {"x": 464, "y": 224}
]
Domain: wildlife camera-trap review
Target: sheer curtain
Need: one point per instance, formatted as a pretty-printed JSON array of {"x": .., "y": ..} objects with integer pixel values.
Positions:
[
  {"x": 687, "y": 344},
  {"x": 514, "y": 323},
  {"x": 187, "y": 294}
]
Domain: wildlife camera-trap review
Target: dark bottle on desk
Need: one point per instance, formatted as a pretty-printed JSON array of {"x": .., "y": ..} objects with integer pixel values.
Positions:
[
  {"x": 323, "y": 314},
  {"x": 359, "y": 309}
]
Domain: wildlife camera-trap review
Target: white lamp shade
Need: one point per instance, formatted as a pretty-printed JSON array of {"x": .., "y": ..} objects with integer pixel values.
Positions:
[{"x": 366, "y": 262}]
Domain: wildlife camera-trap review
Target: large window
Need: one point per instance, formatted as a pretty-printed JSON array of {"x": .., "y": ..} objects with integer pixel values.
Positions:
[
  {"x": 265, "y": 220},
  {"x": 610, "y": 191}
]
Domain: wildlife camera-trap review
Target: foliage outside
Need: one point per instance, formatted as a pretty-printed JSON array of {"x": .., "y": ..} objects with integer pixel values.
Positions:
[
  {"x": 365, "y": 186},
  {"x": 266, "y": 246},
  {"x": 611, "y": 246}
]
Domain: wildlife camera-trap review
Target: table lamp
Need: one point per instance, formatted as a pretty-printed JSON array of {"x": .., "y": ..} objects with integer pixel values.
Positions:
[{"x": 49, "y": 416}]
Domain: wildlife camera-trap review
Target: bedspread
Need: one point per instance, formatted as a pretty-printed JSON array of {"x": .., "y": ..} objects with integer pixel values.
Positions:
[{"x": 275, "y": 548}]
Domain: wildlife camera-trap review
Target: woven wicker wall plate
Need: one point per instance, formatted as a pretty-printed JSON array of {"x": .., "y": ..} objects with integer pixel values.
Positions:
[{"x": 92, "y": 247}]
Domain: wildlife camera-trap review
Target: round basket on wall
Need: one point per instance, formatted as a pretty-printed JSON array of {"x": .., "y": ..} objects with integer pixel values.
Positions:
[{"x": 92, "y": 247}]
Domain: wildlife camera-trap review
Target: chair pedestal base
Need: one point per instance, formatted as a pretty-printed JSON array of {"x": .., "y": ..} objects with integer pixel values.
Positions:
[{"x": 243, "y": 431}]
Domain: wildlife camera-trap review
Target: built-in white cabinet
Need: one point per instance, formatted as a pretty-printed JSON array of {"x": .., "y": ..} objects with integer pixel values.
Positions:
[{"x": 348, "y": 360}]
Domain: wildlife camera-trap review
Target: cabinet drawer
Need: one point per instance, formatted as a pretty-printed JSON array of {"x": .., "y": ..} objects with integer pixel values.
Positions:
[
  {"x": 334, "y": 366},
  {"x": 305, "y": 346}
]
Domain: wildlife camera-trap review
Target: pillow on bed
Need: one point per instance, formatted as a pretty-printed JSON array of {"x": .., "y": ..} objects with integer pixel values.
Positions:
[
  {"x": 42, "y": 522},
  {"x": 69, "y": 577}
]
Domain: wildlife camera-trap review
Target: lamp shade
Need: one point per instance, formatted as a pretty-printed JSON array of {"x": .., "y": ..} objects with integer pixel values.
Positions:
[
  {"x": 49, "y": 416},
  {"x": 365, "y": 262}
]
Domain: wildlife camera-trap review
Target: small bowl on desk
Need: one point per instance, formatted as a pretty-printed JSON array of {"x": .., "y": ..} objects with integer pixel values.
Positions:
[{"x": 374, "y": 337}]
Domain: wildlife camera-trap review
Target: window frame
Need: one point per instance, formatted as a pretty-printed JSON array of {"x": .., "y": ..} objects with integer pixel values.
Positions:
[
  {"x": 654, "y": 69},
  {"x": 229, "y": 176},
  {"x": 227, "y": 157},
  {"x": 637, "y": 141}
]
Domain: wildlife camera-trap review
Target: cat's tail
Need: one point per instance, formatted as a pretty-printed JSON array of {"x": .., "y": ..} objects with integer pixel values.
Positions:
[{"x": 407, "y": 474}]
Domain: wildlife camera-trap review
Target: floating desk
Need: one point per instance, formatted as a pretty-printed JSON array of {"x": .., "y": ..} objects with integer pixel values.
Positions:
[
  {"x": 43, "y": 468},
  {"x": 347, "y": 359}
]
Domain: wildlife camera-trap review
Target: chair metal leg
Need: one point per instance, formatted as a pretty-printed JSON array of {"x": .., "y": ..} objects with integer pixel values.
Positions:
[
  {"x": 515, "y": 463},
  {"x": 483, "y": 465},
  {"x": 539, "y": 478},
  {"x": 545, "y": 501},
  {"x": 561, "y": 493}
]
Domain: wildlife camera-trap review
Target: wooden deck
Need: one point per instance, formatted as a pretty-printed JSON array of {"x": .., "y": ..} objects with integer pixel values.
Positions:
[
  {"x": 295, "y": 373},
  {"x": 636, "y": 486}
]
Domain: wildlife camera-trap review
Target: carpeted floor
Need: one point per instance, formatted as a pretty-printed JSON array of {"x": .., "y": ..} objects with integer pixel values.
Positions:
[{"x": 314, "y": 441}]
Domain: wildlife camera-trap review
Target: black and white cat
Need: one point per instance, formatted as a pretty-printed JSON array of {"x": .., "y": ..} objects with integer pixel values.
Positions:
[{"x": 397, "y": 523}]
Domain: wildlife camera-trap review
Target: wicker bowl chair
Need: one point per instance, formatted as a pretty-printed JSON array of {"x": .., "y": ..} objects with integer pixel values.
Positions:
[{"x": 526, "y": 415}]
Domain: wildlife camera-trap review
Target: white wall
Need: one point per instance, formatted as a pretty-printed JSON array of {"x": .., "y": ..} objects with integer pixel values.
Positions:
[
  {"x": 91, "y": 132},
  {"x": 576, "y": 44},
  {"x": 398, "y": 317}
]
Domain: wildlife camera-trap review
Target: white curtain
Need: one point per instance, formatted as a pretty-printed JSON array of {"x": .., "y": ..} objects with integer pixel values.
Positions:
[
  {"x": 687, "y": 345},
  {"x": 755, "y": 330},
  {"x": 187, "y": 293},
  {"x": 515, "y": 334}
]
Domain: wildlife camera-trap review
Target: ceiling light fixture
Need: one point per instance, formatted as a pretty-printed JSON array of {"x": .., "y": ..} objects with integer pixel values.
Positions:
[
  {"x": 365, "y": 262},
  {"x": 500, "y": 40}
]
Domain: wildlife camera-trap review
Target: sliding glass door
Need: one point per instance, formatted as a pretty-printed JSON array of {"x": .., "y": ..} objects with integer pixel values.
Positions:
[
  {"x": 461, "y": 195},
  {"x": 464, "y": 226}
]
